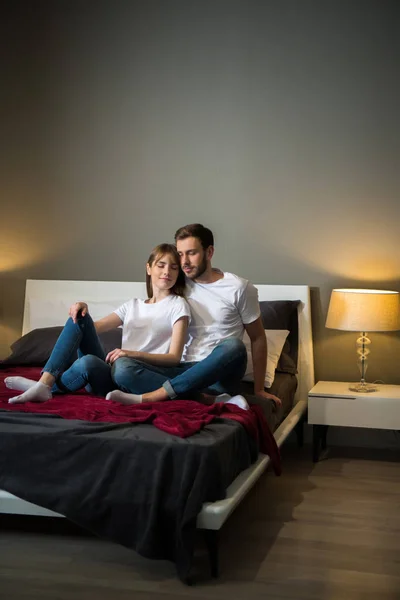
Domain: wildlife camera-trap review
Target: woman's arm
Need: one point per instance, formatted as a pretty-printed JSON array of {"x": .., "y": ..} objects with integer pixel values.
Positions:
[
  {"x": 111, "y": 321},
  {"x": 171, "y": 359}
]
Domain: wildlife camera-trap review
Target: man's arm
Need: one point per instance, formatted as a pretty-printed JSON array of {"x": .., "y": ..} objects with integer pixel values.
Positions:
[{"x": 255, "y": 331}]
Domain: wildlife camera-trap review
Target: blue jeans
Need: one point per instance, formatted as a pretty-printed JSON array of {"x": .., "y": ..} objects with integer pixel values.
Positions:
[
  {"x": 220, "y": 372},
  {"x": 90, "y": 370}
]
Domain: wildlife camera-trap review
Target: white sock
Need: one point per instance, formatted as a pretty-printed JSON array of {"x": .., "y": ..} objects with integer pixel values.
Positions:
[
  {"x": 124, "y": 398},
  {"x": 40, "y": 392},
  {"x": 239, "y": 401},
  {"x": 19, "y": 383},
  {"x": 222, "y": 398}
]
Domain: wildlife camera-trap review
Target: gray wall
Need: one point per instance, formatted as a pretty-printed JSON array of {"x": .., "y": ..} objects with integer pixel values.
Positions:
[{"x": 274, "y": 123}]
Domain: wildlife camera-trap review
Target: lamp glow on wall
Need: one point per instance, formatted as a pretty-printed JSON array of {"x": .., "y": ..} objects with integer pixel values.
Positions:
[{"x": 363, "y": 311}]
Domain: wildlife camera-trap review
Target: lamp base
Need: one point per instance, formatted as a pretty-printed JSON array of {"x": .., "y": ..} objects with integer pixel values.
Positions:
[{"x": 362, "y": 387}]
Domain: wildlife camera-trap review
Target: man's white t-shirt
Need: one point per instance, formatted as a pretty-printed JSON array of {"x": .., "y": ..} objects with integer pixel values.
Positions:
[
  {"x": 148, "y": 327},
  {"x": 219, "y": 311}
]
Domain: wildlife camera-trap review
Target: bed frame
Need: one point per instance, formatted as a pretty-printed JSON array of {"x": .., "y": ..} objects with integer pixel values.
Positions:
[{"x": 46, "y": 305}]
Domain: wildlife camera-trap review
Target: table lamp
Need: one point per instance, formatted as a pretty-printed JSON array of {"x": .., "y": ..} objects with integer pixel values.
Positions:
[{"x": 363, "y": 311}]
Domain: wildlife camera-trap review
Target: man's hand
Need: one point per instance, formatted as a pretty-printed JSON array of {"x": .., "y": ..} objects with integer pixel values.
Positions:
[
  {"x": 75, "y": 308},
  {"x": 266, "y": 396},
  {"x": 118, "y": 353}
]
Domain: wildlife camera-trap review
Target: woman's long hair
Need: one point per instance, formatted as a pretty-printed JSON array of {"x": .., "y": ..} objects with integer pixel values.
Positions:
[{"x": 156, "y": 253}]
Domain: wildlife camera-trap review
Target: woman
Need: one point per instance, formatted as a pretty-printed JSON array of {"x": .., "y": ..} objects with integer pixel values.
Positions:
[{"x": 154, "y": 331}]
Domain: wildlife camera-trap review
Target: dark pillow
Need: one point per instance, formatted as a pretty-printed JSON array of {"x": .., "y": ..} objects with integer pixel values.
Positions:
[
  {"x": 282, "y": 314},
  {"x": 35, "y": 347}
]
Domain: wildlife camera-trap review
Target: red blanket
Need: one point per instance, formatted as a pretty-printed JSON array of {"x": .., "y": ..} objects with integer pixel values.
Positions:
[{"x": 182, "y": 418}]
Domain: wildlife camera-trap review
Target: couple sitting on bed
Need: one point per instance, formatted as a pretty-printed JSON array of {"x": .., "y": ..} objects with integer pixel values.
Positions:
[{"x": 172, "y": 347}]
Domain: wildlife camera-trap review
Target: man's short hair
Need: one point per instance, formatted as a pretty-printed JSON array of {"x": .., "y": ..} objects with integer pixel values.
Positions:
[{"x": 198, "y": 231}]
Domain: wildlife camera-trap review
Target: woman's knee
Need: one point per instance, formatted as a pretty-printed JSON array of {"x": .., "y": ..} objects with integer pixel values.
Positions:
[
  {"x": 90, "y": 363},
  {"x": 80, "y": 320}
]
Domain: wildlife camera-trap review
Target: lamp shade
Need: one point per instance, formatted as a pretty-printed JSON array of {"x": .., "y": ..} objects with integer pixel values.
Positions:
[{"x": 364, "y": 310}]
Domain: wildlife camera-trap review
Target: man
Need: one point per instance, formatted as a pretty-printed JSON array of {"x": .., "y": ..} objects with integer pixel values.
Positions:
[{"x": 223, "y": 305}]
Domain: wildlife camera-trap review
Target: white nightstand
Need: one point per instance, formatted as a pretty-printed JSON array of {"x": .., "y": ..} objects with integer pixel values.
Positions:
[{"x": 332, "y": 403}]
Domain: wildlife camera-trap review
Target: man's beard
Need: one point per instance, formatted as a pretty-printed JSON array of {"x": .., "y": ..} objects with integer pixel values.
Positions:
[{"x": 198, "y": 271}]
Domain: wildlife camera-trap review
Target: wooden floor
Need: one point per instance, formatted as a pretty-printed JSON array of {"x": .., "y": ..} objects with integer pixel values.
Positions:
[{"x": 329, "y": 531}]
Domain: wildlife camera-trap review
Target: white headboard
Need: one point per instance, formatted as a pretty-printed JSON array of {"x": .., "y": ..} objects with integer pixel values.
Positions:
[{"x": 47, "y": 303}]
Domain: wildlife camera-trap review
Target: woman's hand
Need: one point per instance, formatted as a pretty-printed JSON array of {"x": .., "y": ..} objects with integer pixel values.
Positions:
[
  {"x": 76, "y": 308},
  {"x": 118, "y": 353}
]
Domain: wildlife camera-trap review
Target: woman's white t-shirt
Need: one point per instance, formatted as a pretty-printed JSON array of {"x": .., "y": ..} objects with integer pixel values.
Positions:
[{"x": 148, "y": 327}]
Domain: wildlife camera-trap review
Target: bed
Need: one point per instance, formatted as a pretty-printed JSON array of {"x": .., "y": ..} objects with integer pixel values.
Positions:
[{"x": 222, "y": 461}]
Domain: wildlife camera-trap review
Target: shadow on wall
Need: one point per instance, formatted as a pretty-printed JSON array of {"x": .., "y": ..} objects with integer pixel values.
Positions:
[
  {"x": 12, "y": 296},
  {"x": 358, "y": 438}
]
